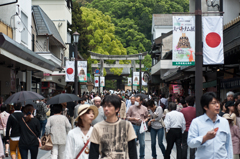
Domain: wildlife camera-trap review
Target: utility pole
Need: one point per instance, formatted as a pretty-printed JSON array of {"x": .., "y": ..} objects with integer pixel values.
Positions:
[{"x": 198, "y": 57}]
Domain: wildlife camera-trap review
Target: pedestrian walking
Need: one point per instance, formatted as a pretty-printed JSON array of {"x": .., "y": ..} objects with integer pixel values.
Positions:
[
  {"x": 78, "y": 139},
  {"x": 1, "y": 149},
  {"x": 82, "y": 101},
  {"x": 13, "y": 124},
  {"x": 235, "y": 134},
  {"x": 223, "y": 108},
  {"x": 237, "y": 112},
  {"x": 231, "y": 111},
  {"x": 209, "y": 133},
  {"x": 136, "y": 114},
  {"x": 58, "y": 127},
  {"x": 41, "y": 115},
  {"x": 3, "y": 125},
  {"x": 189, "y": 114},
  {"x": 70, "y": 109},
  {"x": 122, "y": 112},
  {"x": 175, "y": 126},
  {"x": 230, "y": 96},
  {"x": 157, "y": 128},
  {"x": 100, "y": 117},
  {"x": 113, "y": 138},
  {"x": 29, "y": 132}
]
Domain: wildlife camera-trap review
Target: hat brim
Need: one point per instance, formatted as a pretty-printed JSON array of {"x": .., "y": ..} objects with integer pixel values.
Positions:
[{"x": 92, "y": 107}]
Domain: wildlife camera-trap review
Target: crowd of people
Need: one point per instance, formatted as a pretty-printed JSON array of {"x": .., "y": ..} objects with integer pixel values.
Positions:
[{"x": 110, "y": 126}]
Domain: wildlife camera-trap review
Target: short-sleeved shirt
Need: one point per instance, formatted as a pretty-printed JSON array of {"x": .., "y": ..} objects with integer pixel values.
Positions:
[
  {"x": 113, "y": 138},
  {"x": 100, "y": 116},
  {"x": 137, "y": 112}
]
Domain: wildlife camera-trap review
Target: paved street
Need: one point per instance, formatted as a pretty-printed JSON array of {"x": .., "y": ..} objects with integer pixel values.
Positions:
[{"x": 46, "y": 154}]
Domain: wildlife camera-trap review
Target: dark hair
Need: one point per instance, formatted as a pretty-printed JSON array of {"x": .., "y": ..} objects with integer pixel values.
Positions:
[
  {"x": 206, "y": 99},
  {"x": 141, "y": 98},
  {"x": 3, "y": 108},
  {"x": 222, "y": 104},
  {"x": 80, "y": 122},
  {"x": 114, "y": 100},
  {"x": 18, "y": 106},
  {"x": 163, "y": 96},
  {"x": 172, "y": 106},
  {"x": 28, "y": 109},
  {"x": 150, "y": 103},
  {"x": 236, "y": 108},
  {"x": 57, "y": 108},
  {"x": 182, "y": 102},
  {"x": 190, "y": 100},
  {"x": 178, "y": 100}
]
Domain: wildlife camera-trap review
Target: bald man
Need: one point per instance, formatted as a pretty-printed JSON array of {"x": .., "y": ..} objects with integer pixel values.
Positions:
[{"x": 97, "y": 102}]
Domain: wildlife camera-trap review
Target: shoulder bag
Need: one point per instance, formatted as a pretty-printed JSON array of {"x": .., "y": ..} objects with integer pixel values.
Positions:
[
  {"x": 46, "y": 142},
  {"x": 40, "y": 144},
  {"x": 83, "y": 149}
]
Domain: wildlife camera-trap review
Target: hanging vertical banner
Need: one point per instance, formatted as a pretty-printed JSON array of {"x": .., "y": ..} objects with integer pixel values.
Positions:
[
  {"x": 96, "y": 81},
  {"x": 82, "y": 71},
  {"x": 212, "y": 28},
  {"x": 183, "y": 51},
  {"x": 129, "y": 81},
  {"x": 136, "y": 78},
  {"x": 143, "y": 82},
  {"x": 102, "y": 81},
  {"x": 70, "y": 71}
]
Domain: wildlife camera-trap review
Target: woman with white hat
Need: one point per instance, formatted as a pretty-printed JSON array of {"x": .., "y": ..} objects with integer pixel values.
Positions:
[{"x": 78, "y": 140}]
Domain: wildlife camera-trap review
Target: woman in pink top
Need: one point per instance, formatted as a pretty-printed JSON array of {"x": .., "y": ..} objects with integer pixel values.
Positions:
[
  {"x": 3, "y": 124},
  {"x": 235, "y": 133}
]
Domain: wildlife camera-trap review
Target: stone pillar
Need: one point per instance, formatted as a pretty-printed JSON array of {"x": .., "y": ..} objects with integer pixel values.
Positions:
[{"x": 29, "y": 80}]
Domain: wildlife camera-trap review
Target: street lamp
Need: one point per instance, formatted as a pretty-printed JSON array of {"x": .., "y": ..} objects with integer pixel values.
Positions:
[
  {"x": 140, "y": 72},
  {"x": 75, "y": 40}
]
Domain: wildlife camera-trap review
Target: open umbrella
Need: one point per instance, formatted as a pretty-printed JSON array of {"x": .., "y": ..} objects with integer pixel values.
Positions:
[
  {"x": 30, "y": 102},
  {"x": 23, "y": 96},
  {"x": 142, "y": 95},
  {"x": 62, "y": 98}
]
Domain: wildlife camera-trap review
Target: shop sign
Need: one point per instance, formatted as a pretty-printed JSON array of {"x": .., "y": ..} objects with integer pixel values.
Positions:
[{"x": 230, "y": 83}]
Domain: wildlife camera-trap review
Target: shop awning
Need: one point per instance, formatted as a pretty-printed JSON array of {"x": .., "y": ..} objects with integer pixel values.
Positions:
[{"x": 21, "y": 55}]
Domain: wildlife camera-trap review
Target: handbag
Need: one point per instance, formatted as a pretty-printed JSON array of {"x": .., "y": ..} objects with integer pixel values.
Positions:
[
  {"x": 162, "y": 122},
  {"x": 83, "y": 149},
  {"x": 40, "y": 144},
  {"x": 46, "y": 142}
]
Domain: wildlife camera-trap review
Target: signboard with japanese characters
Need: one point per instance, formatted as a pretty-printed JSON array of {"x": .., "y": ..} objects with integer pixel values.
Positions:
[{"x": 183, "y": 51}]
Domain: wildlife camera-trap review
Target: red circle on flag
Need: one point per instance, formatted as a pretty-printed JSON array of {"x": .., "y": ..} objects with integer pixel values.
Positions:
[
  {"x": 213, "y": 39},
  {"x": 69, "y": 70},
  {"x": 96, "y": 81}
]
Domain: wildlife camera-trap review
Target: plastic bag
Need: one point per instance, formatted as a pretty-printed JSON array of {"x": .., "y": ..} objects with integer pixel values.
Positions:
[{"x": 143, "y": 127}]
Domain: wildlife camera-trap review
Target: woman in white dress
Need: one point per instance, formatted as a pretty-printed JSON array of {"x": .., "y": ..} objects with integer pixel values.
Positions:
[{"x": 77, "y": 144}]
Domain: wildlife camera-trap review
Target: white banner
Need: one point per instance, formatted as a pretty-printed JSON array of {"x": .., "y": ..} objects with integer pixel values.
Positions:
[
  {"x": 143, "y": 82},
  {"x": 212, "y": 27},
  {"x": 82, "y": 71},
  {"x": 70, "y": 71},
  {"x": 102, "y": 81},
  {"x": 136, "y": 78},
  {"x": 129, "y": 81},
  {"x": 96, "y": 81},
  {"x": 183, "y": 51}
]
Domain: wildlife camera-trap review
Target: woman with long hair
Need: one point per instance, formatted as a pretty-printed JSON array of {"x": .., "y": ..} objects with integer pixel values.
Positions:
[
  {"x": 29, "y": 132},
  {"x": 237, "y": 112},
  {"x": 77, "y": 144},
  {"x": 157, "y": 128},
  {"x": 58, "y": 126}
]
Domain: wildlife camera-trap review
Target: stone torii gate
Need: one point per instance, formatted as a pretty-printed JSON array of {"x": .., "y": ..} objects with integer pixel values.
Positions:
[{"x": 101, "y": 57}]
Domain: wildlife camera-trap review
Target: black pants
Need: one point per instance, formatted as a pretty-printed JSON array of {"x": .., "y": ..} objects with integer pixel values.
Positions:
[
  {"x": 24, "y": 151},
  {"x": 185, "y": 147},
  {"x": 174, "y": 135}
]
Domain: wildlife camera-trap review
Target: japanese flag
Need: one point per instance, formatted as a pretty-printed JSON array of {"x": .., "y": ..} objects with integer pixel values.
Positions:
[
  {"x": 96, "y": 81},
  {"x": 70, "y": 72},
  {"x": 212, "y": 27}
]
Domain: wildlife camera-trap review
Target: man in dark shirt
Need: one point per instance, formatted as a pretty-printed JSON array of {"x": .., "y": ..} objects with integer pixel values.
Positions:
[
  {"x": 13, "y": 124},
  {"x": 70, "y": 107},
  {"x": 189, "y": 114}
]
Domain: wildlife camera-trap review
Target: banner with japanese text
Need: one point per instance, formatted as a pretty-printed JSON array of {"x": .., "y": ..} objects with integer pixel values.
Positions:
[
  {"x": 102, "y": 81},
  {"x": 136, "y": 78},
  {"x": 129, "y": 81},
  {"x": 183, "y": 51},
  {"x": 82, "y": 71}
]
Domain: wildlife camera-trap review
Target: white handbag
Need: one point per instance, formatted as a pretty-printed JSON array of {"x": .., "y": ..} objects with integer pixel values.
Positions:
[{"x": 143, "y": 127}]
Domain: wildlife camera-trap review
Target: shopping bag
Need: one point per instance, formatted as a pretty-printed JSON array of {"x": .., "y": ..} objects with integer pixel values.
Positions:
[
  {"x": 143, "y": 127},
  {"x": 46, "y": 142}
]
